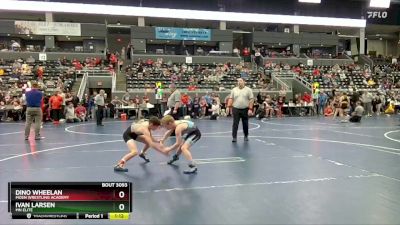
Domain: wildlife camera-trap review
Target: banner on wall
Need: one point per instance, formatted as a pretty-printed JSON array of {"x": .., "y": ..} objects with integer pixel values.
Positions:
[
  {"x": 174, "y": 33},
  {"x": 47, "y": 28}
]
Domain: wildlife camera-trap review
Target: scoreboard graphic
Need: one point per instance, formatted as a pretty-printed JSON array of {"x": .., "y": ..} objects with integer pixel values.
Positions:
[{"x": 70, "y": 200}]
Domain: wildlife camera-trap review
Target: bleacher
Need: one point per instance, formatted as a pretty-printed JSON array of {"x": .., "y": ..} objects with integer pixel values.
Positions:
[
  {"x": 136, "y": 80},
  {"x": 347, "y": 79},
  {"x": 52, "y": 71}
]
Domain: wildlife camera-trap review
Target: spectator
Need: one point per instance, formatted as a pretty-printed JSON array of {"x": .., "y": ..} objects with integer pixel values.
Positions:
[
  {"x": 125, "y": 98},
  {"x": 30, "y": 60},
  {"x": 192, "y": 87},
  {"x": 258, "y": 59},
  {"x": 123, "y": 53},
  {"x": 328, "y": 111},
  {"x": 215, "y": 110},
  {"x": 195, "y": 108},
  {"x": 357, "y": 114},
  {"x": 307, "y": 98},
  {"x": 184, "y": 103},
  {"x": 146, "y": 99},
  {"x": 355, "y": 97},
  {"x": 113, "y": 60},
  {"x": 74, "y": 99},
  {"x": 64, "y": 102},
  {"x": 70, "y": 115},
  {"x": 200, "y": 51},
  {"x": 55, "y": 105},
  {"x": 81, "y": 113},
  {"x": 268, "y": 107},
  {"x": 136, "y": 100},
  {"x": 15, "y": 46},
  {"x": 367, "y": 101},
  {"x": 203, "y": 106},
  {"x": 322, "y": 102},
  {"x": 174, "y": 101}
]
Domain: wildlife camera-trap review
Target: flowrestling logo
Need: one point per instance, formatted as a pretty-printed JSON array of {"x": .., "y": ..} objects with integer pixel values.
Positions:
[{"x": 377, "y": 15}]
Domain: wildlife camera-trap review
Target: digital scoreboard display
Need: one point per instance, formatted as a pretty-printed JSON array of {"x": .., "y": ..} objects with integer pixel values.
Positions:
[{"x": 70, "y": 200}]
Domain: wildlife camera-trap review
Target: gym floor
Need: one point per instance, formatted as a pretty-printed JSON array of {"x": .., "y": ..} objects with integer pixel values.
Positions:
[{"x": 292, "y": 171}]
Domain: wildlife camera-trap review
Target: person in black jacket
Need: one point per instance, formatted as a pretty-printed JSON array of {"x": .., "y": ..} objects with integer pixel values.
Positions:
[{"x": 355, "y": 97}]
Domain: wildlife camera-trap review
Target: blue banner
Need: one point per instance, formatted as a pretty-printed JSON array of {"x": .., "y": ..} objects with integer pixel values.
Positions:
[{"x": 174, "y": 33}]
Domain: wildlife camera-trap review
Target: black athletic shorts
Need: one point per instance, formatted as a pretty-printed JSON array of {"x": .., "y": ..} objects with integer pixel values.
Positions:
[
  {"x": 129, "y": 135},
  {"x": 192, "y": 136}
]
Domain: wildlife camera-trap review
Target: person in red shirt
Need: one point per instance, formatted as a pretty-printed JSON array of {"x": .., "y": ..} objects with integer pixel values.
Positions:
[
  {"x": 297, "y": 70},
  {"x": 77, "y": 65},
  {"x": 192, "y": 87},
  {"x": 81, "y": 113},
  {"x": 149, "y": 62},
  {"x": 113, "y": 60},
  {"x": 306, "y": 98},
  {"x": 185, "y": 103},
  {"x": 328, "y": 111},
  {"x": 55, "y": 103},
  {"x": 98, "y": 61},
  {"x": 246, "y": 52},
  {"x": 316, "y": 72},
  {"x": 40, "y": 72}
]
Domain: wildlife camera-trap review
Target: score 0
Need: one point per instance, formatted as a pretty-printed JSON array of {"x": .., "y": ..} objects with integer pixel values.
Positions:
[{"x": 121, "y": 195}]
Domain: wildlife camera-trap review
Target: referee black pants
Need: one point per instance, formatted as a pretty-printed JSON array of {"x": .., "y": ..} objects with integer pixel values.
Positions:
[
  {"x": 175, "y": 115},
  {"x": 237, "y": 115},
  {"x": 99, "y": 114}
]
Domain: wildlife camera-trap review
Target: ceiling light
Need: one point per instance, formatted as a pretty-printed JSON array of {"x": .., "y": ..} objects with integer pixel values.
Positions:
[
  {"x": 28, "y": 35},
  {"x": 310, "y": 1},
  {"x": 97, "y": 9},
  {"x": 380, "y": 39},
  {"x": 379, "y": 3},
  {"x": 91, "y": 37}
]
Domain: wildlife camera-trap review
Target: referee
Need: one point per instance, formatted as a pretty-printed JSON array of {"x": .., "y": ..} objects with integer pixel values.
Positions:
[
  {"x": 100, "y": 104},
  {"x": 242, "y": 99},
  {"x": 174, "y": 101},
  {"x": 33, "y": 111}
]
